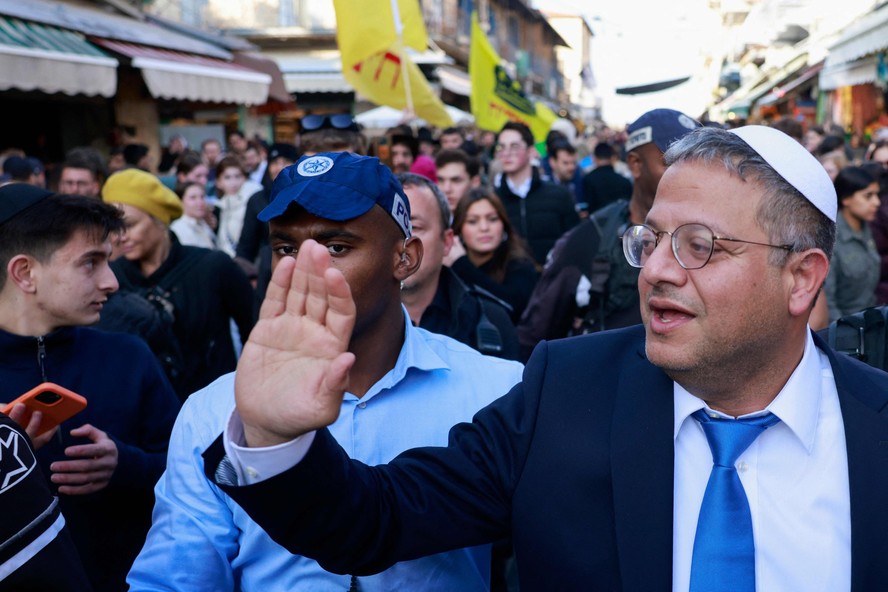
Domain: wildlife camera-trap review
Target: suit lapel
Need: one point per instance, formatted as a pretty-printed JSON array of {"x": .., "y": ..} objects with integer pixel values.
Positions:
[
  {"x": 864, "y": 403},
  {"x": 642, "y": 471}
]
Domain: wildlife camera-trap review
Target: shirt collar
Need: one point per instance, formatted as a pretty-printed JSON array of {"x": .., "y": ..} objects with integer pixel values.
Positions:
[
  {"x": 797, "y": 404},
  {"x": 415, "y": 353}
]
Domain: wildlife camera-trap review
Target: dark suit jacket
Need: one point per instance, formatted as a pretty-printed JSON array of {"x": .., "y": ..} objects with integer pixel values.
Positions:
[{"x": 576, "y": 463}]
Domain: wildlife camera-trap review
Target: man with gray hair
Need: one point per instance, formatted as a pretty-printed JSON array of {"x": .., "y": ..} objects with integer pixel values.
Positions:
[{"x": 719, "y": 446}]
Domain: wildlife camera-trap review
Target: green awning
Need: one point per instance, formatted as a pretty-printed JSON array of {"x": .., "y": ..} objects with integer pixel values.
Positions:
[{"x": 52, "y": 60}]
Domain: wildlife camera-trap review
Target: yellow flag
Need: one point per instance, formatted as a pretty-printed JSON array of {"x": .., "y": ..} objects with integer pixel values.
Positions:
[
  {"x": 379, "y": 78},
  {"x": 367, "y": 27},
  {"x": 495, "y": 97},
  {"x": 372, "y": 56}
]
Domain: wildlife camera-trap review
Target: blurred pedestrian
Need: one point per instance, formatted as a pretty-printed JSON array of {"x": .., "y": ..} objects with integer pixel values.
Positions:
[{"x": 854, "y": 268}]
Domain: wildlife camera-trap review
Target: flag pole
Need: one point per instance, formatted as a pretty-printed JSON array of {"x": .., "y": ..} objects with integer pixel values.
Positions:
[{"x": 399, "y": 30}]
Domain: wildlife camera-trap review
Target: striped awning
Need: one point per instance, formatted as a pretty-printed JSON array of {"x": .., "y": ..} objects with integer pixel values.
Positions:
[
  {"x": 172, "y": 74},
  {"x": 52, "y": 60}
]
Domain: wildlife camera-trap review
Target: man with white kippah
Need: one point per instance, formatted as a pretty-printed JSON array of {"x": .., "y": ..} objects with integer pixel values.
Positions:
[{"x": 719, "y": 446}]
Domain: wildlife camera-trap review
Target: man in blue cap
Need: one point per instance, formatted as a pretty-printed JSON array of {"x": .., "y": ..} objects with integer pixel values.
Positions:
[
  {"x": 587, "y": 285},
  {"x": 407, "y": 387}
]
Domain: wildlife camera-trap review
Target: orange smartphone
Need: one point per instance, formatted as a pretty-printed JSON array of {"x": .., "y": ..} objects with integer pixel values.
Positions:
[{"x": 55, "y": 402}]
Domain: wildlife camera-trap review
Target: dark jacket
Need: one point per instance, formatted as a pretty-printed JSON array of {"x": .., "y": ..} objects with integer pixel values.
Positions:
[
  {"x": 603, "y": 186},
  {"x": 456, "y": 311},
  {"x": 576, "y": 463},
  {"x": 515, "y": 289},
  {"x": 213, "y": 292},
  {"x": 544, "y": 215},
  {"x": 129, "y": 398},
  {"x": 592, "y": 250}
]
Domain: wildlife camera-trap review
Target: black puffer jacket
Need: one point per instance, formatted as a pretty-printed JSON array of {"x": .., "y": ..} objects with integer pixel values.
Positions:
[{"x": 542, "y": 217}]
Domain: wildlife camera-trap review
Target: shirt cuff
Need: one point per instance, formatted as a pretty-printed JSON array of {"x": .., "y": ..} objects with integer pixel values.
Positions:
[{"x": 253, "y": 465}]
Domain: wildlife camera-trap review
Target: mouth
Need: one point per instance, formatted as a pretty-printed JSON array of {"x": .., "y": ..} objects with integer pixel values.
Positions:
[{"x": 667, "y": 316}]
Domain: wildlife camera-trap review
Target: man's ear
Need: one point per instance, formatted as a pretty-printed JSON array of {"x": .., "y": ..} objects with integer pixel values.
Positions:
[
  {"x": 807, "y": 273},
  {"x": 475, "y": 181},
  {"x": 409, "y": 258},
  {"x": 20, "y": 271},
  {"x": 634, "y": 163},
  {"x": 448, "y": 241}
]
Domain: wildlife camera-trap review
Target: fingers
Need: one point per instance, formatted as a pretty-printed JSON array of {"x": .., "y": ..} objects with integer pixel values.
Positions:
[
  {"x": 316, "y": 302},
  {"x": 341, "y": 310},
  {"x": 89, "y": 432},
  {"x": 276, "y": 293}
]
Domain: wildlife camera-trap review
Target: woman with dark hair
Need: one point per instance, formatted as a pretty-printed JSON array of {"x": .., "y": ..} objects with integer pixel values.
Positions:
[
  {"x": 854, "y": 268},
  {"x": 493, "y": 257}
]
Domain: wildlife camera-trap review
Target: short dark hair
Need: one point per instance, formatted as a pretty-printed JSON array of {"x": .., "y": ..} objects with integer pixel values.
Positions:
[
  {"x": 850, "y": 180},
  {"x": 452, "y": 130},
  {"x": 230, "y": 162},
  {"x": 414, "y": 180},
  {"x": 562, "y": 146},
  {"x": 46, "y": 226},
  {"x": 188, "y": 161},
  {"x": 445, "y": 157},
  {"x": 133, "y": 153},
  {"x": 790, "y": 127},
  {"x": 604, "y": 151},
  {"x": 522, "y": 129},
  {"x": 88, "y": 158}
]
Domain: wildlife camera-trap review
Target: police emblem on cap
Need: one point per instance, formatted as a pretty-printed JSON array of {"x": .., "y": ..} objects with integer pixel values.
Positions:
[
  {"x": 314, "y": 166},
  {"x": 16, "y": 458}
]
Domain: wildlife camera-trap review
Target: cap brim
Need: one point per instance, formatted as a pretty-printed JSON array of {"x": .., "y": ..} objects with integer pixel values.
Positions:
[{"x": 315, "y": 198}]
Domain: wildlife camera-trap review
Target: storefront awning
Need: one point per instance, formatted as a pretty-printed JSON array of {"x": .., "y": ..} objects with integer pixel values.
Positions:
[
  {"x": 52, "y": 60},
  {"x": 862, "y": 71},
  {"x": 863, "y": 37},
  {"x": 455, "y": 80},
  {"x": 312, "y": 71},
  {"x": 780, "y": 92},
  {"x": 176, "y": 75}
]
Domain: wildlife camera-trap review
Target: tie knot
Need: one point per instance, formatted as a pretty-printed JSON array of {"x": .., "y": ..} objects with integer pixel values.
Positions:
[{"x": 728, "y": 438}]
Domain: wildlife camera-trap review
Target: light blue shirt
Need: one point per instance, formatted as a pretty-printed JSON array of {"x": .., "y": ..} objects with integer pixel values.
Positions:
[{"x": 201, "y": 540}]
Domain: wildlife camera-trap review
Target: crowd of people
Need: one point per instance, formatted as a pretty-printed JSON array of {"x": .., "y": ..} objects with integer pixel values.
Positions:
[{"x": 392, "y": 287}]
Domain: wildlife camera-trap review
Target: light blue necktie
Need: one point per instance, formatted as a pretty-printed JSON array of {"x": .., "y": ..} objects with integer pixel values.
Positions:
[{"x": 724, "y": 549}]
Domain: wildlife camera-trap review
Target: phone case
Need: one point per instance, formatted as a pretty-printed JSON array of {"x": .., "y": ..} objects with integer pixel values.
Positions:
[{"x": 55, "y": 402}]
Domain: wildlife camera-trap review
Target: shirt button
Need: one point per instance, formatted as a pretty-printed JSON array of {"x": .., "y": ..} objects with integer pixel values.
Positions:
[
  {"x": 742, "y": 466},
  {"x": 252, "y": 473},
  {"x": 362, "y": 405}
]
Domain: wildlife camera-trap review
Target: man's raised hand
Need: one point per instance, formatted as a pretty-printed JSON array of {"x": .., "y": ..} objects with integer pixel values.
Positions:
[{"x": 294, "y": 368}]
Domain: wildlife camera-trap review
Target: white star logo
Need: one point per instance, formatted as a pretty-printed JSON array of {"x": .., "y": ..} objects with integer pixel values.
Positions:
[{"x": 16, "y": 458}]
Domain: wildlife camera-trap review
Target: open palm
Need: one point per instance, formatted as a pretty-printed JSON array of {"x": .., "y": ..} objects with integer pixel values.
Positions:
[{"x": 294, "y": 368}]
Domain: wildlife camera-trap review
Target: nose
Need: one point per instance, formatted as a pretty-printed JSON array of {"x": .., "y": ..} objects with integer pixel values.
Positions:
[
  {"x": 108, "y": 281},
  {"x": 662, "y": 266}
]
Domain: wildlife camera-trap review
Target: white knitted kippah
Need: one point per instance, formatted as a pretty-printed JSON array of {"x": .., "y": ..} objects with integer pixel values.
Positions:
[{"x": 794, "y": 163}]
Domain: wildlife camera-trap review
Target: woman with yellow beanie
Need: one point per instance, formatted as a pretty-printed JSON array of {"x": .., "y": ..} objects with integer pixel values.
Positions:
[{"x": 202, "y": 289}]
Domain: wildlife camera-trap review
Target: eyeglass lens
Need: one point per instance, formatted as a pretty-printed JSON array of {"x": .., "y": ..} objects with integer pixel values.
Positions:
[{"x": 691, "y": 243}]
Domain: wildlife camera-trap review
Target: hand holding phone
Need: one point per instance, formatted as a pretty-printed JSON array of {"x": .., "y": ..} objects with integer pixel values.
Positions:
[{"x": 55, "y": 403}]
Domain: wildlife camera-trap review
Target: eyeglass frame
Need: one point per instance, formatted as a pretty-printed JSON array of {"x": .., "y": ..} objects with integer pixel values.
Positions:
[{"x": 659, "y": 233}]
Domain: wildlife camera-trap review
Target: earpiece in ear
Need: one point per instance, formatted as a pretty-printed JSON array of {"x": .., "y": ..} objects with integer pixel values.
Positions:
[{"x": 403, "y": 256}]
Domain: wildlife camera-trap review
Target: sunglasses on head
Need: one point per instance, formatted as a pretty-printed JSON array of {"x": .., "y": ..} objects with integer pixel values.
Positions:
[{"x": 341, "y": 121}]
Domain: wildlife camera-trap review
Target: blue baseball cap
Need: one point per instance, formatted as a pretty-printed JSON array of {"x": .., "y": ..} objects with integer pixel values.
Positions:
[
  {"x": 660, "y": 126},
  {"x": 339, "y": 186}
]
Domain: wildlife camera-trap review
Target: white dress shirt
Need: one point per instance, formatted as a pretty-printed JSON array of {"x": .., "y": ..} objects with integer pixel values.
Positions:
[{"x": 796, "y": 480}]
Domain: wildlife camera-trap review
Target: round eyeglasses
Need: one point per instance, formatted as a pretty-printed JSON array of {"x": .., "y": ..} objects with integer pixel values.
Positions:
[{"x": 692, "y": 244}]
